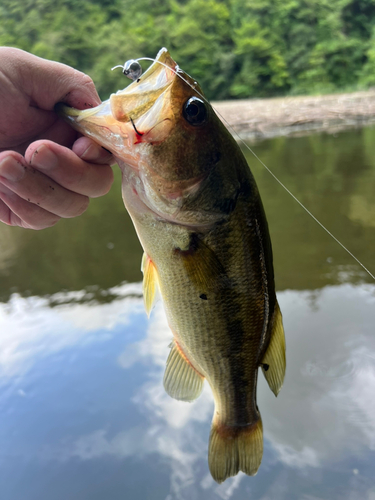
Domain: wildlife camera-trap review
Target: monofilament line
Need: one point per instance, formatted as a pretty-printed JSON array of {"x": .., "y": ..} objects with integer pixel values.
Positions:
[
  {"x": 307, "y": 210},
  {"x": 297, "y": 200},
  {"x": 230, "y": 127}
]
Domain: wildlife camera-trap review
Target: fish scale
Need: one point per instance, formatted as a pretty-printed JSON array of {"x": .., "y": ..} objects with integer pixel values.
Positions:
[
  {"x": 198, "y": 326},
  {"x": 200, "y": 220}
]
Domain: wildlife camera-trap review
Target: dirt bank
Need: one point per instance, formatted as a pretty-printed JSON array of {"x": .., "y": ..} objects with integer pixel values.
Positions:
[{"x": 264, "y": 118}]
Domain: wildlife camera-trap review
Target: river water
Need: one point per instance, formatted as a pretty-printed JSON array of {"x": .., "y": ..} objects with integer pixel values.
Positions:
[{"x": 83, "y": 414}]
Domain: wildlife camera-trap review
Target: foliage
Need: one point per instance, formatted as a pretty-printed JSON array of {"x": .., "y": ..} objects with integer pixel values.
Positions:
[{"x": 234, "y": 48}]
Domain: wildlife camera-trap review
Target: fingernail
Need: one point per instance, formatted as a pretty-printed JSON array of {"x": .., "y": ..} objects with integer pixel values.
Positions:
[
  {"x": 92, "y": 153},
  {"x": 43, "y": 157},
  {"x": 11, "y": 169}
]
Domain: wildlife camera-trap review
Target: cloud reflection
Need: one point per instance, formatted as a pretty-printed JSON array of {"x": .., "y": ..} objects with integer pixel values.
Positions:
[
  {"x": 327, "y": 406},
  {"x": 324, "y": 414},
  {"x": 326, "y": 409},
  {"x": 31, "y": 330}
]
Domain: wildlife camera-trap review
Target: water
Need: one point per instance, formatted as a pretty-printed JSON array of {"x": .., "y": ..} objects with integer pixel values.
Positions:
[{"x": 83, "y": 412}]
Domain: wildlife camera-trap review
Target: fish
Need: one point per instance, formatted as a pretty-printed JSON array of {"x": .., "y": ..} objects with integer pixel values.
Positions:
[{"x": 199, "y": 217}]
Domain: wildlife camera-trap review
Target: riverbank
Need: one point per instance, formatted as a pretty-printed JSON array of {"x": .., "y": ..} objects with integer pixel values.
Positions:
[{"x": 256, "y": 119}]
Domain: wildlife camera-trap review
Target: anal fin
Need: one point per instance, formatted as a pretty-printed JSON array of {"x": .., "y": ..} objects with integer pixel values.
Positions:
[
  {"x": 181, "y": 379},
  {"x": 274, "y": 362},
  {"x": 150, "y": 282}
]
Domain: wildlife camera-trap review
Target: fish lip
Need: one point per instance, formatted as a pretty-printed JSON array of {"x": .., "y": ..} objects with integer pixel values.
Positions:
[
  {"x": 133, "y": 101},
  {"x": 110, "y": 125},
  {"x": 74, "y": 115}
]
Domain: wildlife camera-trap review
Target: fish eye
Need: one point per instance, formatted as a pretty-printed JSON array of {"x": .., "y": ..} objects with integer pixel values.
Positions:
[{"x": 195, "y": 111}]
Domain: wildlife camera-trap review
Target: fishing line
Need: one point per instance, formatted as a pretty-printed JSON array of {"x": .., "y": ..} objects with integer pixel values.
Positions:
[{"x": 133, "y": 70}]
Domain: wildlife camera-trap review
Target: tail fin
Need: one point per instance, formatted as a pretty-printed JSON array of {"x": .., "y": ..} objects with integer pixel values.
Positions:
[{"x": 232, "y": 449}]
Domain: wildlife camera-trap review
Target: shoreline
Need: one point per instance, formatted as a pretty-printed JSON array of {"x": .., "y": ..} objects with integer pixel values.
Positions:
[{"x": 258, "y": 119}]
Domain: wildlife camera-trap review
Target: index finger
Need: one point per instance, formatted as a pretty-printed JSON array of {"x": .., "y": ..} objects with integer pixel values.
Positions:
[{"x": 68, "y": 170}]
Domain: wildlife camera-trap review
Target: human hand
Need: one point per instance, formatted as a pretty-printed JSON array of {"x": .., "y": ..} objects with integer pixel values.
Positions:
[{"x": 46, "y": 171}]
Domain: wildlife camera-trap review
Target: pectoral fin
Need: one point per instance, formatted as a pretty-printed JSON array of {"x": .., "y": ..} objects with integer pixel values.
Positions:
[
  {"x": 181, "y": 380},
  {"x": 274, "y": 362},
  {"x": 150, "y": 282},
  {"x": 203, "y": 267}
]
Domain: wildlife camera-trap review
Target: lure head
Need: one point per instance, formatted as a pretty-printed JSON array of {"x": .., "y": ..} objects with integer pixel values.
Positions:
[
  {"x": 165, "y": 136},
  {"x": 132, "y": 69}
]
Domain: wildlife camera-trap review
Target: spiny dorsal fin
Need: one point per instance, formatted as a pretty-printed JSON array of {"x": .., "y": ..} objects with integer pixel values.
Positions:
[
  {"x": 181, "y": 380},
  {"x": 150, "y": 282},
  {"x": 274, "y": 362}
]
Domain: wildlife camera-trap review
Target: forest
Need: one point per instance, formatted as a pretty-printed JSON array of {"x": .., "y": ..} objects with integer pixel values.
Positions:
[{"x": 234, "y": 48}]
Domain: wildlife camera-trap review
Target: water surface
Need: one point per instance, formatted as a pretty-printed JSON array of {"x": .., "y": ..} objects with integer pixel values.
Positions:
[{"x": 83, "y": 412}]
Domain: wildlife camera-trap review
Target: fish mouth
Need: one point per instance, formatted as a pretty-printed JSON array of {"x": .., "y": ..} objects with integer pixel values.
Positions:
[
  {"x": 129, "y": 123},
  {"x": 140, "y": 113}
]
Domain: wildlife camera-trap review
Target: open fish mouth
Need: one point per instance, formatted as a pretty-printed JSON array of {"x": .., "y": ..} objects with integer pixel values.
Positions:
[
  {"x": 135, "y": 122},
  {"x": 140, "y": 113}
]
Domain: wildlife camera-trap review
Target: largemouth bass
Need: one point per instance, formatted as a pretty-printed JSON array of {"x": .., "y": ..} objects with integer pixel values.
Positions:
[{"x": 199, "y": 217}]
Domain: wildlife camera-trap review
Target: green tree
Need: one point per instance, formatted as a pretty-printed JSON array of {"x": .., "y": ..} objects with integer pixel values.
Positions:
[{"x": 234, "y": 48}]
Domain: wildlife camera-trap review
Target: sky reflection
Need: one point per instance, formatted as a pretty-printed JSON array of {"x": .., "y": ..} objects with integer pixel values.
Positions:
[
  {"x": 30, "y": 330},
  {"x": 85, "y": 416}
]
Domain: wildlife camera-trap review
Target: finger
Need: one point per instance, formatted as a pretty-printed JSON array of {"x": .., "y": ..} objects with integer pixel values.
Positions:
[
  {"x": 48, "y": 82},
  {"x": 38, "y": 189},
  {"x": 67, "y": 169},
  {"x": 57, "y": 131},
  {"x": 6, "y": 214},
  {"x": 15, "y": 211},
  {"x": 90, "y": 151}
]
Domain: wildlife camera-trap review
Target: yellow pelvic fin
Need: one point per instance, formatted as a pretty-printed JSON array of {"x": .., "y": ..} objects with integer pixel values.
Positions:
[
  {"x": 274, "y": 362},
  {"x": 202, "y": 265},
  {"x": 150, "y": 282},
  {"x": 234, "y": 449},
  {"x": 181, "y": 380}
]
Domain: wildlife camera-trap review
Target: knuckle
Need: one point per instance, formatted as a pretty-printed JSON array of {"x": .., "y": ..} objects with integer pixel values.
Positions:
[{"x": 83, "y": 78}]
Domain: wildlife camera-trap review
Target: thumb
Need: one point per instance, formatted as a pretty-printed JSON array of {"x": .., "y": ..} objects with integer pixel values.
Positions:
[{"x": 48, "y": 82}]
